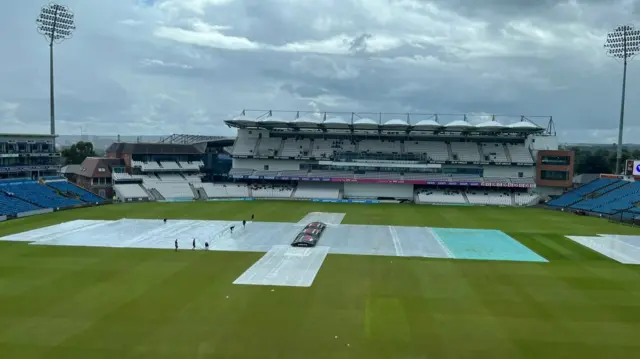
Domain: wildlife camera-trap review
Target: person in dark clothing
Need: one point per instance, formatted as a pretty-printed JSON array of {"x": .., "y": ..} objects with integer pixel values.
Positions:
[
  {"x": 206, "y": 246},
  {"x": 176, "y": 243},
  {"x": 244, "y": 223},
  {"x": 165, "y": 220},
  {"x": 194, "y": 244},
  {"x": 232, "y": 227},
  {"x": 252, "y": 216}
]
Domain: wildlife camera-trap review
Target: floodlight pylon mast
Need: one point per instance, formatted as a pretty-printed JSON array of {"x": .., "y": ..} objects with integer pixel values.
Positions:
[
  {"x": 56, "y": 24},
  {"x": 622, "y": 43}
]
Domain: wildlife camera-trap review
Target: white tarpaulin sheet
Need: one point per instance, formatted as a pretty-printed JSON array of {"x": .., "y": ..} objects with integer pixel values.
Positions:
[
  {"x": 286, "y": 266},
  {"x": 624, "y": 249}
]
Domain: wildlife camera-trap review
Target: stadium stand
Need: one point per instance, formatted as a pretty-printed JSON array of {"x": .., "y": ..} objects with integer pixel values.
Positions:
[
  {"x": 465, "y": 151},
  {"x": 494, "y": 152},
  {"x": 271, "y": 191},
  {"x": 525, "y": 199},
  {"x": 225, "y": 190},
  {"x": 11, "y": 205},
  {"x": 618, "y": 199},
  {"x": 438, "y": 196},
  {"x": 519, "y": 154},
  {"x": 485, "y": 197},
  {"x": 578, "y": 194},
  {"x": 130, "y": 191},
  {"x": 316, "y": 190},
  {"x": 41, "y": 195},
  {"x": 84, "y": 195}
]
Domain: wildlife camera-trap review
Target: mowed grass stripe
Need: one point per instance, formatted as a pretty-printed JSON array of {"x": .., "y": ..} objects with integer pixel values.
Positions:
[
  {"x": 70, "y": 302},
  {"x": 557, "y": 247}
]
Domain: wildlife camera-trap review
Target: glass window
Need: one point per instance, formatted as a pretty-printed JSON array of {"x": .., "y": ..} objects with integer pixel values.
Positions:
[
  {"x": 555, "y": 160},
  {"x": 554, "y": 175}
]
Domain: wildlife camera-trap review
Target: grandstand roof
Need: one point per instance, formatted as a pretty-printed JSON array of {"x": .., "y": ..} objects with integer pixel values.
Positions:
[
  {"x": 97, "y": 167},
  {"x": 186, "y": 139},
  {"x": 337, "y": 123},
  {"x": 153, "y": 149},
  {"x": 35, "y": 135}
]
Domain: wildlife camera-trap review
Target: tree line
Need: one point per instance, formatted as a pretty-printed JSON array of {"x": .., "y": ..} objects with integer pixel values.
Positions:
[{"x": 600, "y": 159}]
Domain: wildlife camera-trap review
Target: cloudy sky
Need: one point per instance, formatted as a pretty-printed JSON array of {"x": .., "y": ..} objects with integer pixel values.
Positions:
[{"x": 183, "y": 66}]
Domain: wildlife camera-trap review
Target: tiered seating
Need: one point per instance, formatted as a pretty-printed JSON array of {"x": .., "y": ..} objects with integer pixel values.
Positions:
[
  {"x": 171, "y": 177},
  {"x": 322, "y": 148},
  {"x": 441, "y": 196},
  {"x": 619, "y": 199},
  {"x": 525, "y": 199},
  {"x": 218, "y": 190},
  {"x": 241, "y": 172},
  {"x": 42, "y": 195},
  {"x": 316, "y": 190},
  {"x": 326, "y": 148},
  {"x": 295, "y": 148},
  {"x": 269, "y": 146},
  {"x": 335, "y": 174},
  {"x": 191, "y": 165},
  {"x": 151, "y": 166},
  {"x": 265, "y": 173},
  {"x": 577, "y": 194},
  {"x": 245, "y": 146},
  {"x": 172, "y": 190},
  {"x": 519, "y": 154},
  {"x": 494, "y": 151},
  {"x": 121, "y": 176},
  {"x": 426, "y": 176},
  {"x": 170, "y": 165},
  {"x": 380, "y": 146},
  {"x": 487, "y": 197},
  {"x": 466, "y": 151},
  {"x": 295, "y": 173},
  {"x": 64, "y": 186},
  {"x": 437, "y": 151},
  {"x": 416, "y": 147},
  {"x": 193, "y": 178},
  {"x": 137, "y": 163},
  {"x": 610, "y": 187},
  {"x": 271, "y": 191},
  {"x": 10, "y": 205},
  {"x": 497, "y": 179},
  {"x": 128, "y": 191}
]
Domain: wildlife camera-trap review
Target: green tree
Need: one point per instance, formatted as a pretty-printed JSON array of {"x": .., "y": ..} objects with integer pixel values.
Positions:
[{"x": 75, "y": 154}]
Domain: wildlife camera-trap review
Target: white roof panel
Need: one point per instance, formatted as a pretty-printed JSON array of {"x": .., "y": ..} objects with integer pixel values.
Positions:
[
  {"x": 427, "y": 124},
  {"x": 490, "y": 125},
  {"x": 365, "y": 124},
  {"x": 458, "y": 124}
]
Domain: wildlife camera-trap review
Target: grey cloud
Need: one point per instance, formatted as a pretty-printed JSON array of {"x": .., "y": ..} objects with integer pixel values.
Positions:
[{"x": 511, "y": 57}]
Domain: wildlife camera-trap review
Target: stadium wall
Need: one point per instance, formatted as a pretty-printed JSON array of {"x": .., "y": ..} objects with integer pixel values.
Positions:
[
  {"x": 376, "y": 190},
  {"x": 508, "y": 171},
  {"x": 274, "y": 165},
  {"x": 3, "y": 218},
  {"x": 33, "y": 213}
]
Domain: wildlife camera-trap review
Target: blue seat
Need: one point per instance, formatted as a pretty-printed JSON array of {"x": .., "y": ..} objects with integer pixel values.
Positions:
[
  {"x": 621, "y": 198},
  {"x": 579, "y": 193},
  {"x": 86, "y": 196},
  {"x": 11, "y": 205},
  {"x": 39, "y": 194}
]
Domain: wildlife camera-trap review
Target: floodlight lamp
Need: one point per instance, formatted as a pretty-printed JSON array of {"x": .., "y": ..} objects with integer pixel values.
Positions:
[{"x": 55, "y": 23}]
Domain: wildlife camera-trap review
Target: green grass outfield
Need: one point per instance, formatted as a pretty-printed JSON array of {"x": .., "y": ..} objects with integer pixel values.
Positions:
[{"x": 90, "y": 303}]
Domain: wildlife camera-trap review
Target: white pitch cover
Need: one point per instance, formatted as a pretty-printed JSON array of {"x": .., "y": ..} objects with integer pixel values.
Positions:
[{"x": 285, "y": 266}]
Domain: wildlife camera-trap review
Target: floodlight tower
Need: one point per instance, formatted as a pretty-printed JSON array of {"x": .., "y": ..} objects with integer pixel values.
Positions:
[
  {"x": 56, "y": 24},
  {"x": 622, "y": 43}
]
